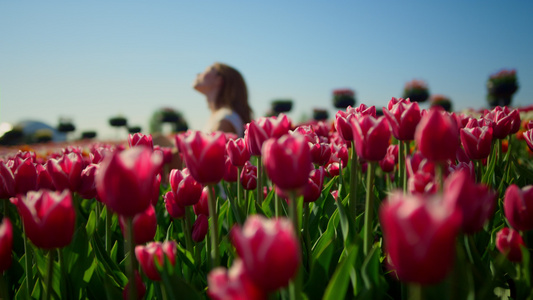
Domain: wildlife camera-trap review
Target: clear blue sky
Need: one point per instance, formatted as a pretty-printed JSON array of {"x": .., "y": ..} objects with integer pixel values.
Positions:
[{"x": 91, "y": 60}]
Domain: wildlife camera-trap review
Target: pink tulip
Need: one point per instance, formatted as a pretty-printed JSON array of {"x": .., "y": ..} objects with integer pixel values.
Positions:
[
  {"x": 518, "y": 207},
  {"x": 528, "y": 137},
  {"x": 249, "y": 176},
  {"x": 231, "y": 172},
  {"x": 7, "y": 182},
  {"x": 437, "y": 136},
  {"x": 371, "y": 137},
  {"x": 260, "y": 130},
  {"x": 44, "y": 180},
  {"x": 6, "y": 243},
  {"x": 201, "y": 208},
  {"x": 388, "y": 163},
  {"x": 174, "y": 208},
  {"x": 476, "y": 202},
  {"x": 313, "y": 189},
  {"x": 144, "y": 226},
  {"x": 125, "y": 180},
  {"x": 502, "y": 122},
  {"x": 320, "y": 153},
  {"x": 477, "y": 141},
  {"x": 156, "y": 187},
  {"x": 87, "y": 188},
  {"x": 509, "y": 242},
  {"x": 269, "y": 249},
  {"x": 199, "y": 228},
  {"x": 66, "y": 172},
  {"x": 139, "y": 139},
  {"x": 287, "y": 161},
  {"x": 418, "y": 163},
  {"x": 139, "y": 285},
  {"x": 204, "y": 156},
  {"x": 25, "y": 176},
  {"x": 238, "y": 152},
  {"x": 146, "y": 255},
  {"x": 403, "y": 117},
  {"x": 187, "y": 190},
  {"x": 343, "y": 125},
  {"x": 419, "y": 235},
  {"x": 233, "y": 284},
  {"x": 48, "y": 217},
  {"x": 421, "y": 183}
]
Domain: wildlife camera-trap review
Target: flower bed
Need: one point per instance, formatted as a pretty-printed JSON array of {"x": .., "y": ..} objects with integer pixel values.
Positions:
[{"x": 411, "y": 204}]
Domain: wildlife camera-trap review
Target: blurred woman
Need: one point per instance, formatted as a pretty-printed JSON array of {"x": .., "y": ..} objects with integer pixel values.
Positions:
[{"x": 227, "y": 98}]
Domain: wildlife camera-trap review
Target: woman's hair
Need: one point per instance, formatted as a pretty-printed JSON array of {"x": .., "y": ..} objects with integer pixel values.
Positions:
[{"x": 233, "y": 92}]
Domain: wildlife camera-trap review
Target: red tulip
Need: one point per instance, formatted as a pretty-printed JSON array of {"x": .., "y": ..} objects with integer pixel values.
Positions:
[
  {"x": 518, "y": 207},
  {"x": 146, "y": 255},
  {"x": 510, "y": 244},
  {"x": 528, "y": 137},
  {"x": 419, "y": 235},
  {"x": 502, "y": 122},
  {"x": 403, "y": 117},
  {"x": 421, "y": 183},
  {"x": 269, "y": 249},
  {"x": 66, "y": 172},
  {"x": 477, "y": 141},
  {"x": 187, "y": 190},
  {"x": 175, "y": 209},
  {"x": 476, "y": 202},
  {"x": 418, "y": 163},
  {"x": 232, "y": 284},
  {"x": 260, "y": 130},
  {"x": 144, "y": 226},
  {"x": 238, "y": 152},
  {"x": 25, "y": 176},
  {"x": 48, "y": 217},
  {"x": 201, "y": 208},
  {"x": 437, "y": 135},
  {"x": 249, "y": 176},
  {"x": 6, "y": 243},
  {"x": 125, "y": 180},
  {"x": 44, "y": 180},
  {"x": 371, "y": 137},
  {"x": 204, "y": 156},
  {"x": 287, "y": 161},
  {"x": 156, "y": 187},
  {"x": 139, "y": 139},
  {"x": 199, "y": 228},
  {"x": 388, "y": 163},
  {"x": 313, "y": 189},
  {"x": 87, "y": 188},
  {"x": 7, "y": 182},
  {"x": 343, "y": 125},
  {"x": 231, "y": 172},
  {"x": 332, "y": 169},
  {"x": 320, "y": 153}
]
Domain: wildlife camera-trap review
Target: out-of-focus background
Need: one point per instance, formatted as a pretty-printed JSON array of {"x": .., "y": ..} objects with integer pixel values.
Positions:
[{"x": 84, "y": 63}]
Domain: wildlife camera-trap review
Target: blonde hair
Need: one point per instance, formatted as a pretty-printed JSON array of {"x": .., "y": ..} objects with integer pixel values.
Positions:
[{"x": 233, "y": 92}]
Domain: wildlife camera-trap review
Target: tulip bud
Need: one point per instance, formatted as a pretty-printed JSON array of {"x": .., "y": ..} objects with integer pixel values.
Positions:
[
  {"x": 186, "y": 189},
  {"x": 6, "y": 243},
  {"x": 231, "y": 171},
  {"x": 238, "y": 152},
  {"x": 146, "y": 255},
  {"x": 199, "y": 228},
  {"x": 204, "y": 156},
  {"x": 260, "y": 130},
  {"x": 7, "y": 182},
  {"x": 269, "y": 249},
  {"x": 509, "y": 242},
  {"x": 371, "y": 137},
  {"x": 202, "y": 208},
  {"x": 125, "y": 180},
  {"x": 139, "y": 139},
  {"x": 528, "y": 137},
  {"x": 421, "y": 183},
  {"x": 403, "y": 117},
  {"x": 502, "y": 122},
  {"x": 419, "y": 236},
  {"x": 66, "y": 172},
  {"x": 320, "y": 153},
  {"x": 87, "y": 188},
  {"x": 477, "y": 141},
  {"x": 287, "y": 161},
  {"x": 175, "y": 209},
  {"x": 437, "y": 136},
  {"x": 232, "y": 284},
  {"x": 25, "y": 176},
  {"x": 144, "y": 226},
  {"x": 518, "y": 207},
  {"x": 48, "y": 217},
  {"x": 249, "y": 176}
]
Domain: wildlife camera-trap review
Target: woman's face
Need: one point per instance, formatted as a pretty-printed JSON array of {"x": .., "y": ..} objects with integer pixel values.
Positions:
[{"x": 208, "y": 81}]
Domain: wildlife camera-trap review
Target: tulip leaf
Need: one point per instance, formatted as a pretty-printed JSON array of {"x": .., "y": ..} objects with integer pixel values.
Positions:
[
  {"x": 109, "y": 265},
  {"x": 338, "y": 285},
  {"x": 91, "y": 224}
]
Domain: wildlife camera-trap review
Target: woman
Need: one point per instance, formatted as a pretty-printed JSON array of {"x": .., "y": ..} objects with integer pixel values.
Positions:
[{"x": 227, "y": 98}]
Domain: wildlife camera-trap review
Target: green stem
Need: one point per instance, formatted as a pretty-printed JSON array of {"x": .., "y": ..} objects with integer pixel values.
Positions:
[
  {"x": 439, "y": 175},
  {"x": 130, "y": 266},
  {"x": 4, "y": 293},
  {"x": 415, "y": 291},
  {"x": 307, "y": 235},
  {"x": 401, "y": 164},
  {"x": 212, "y": 205},
  {"x": 295, "y": 286},
  {"x": 28, "y": 257},
  {"x": 49, "y": 274},
  {"x": 368, "y": 238},
  {"x": 108, "y": 232},
  {"x": 185, "y": 225},
  {"x": 277, "y": 204},
  {"x": 354, "y": 180},
  {"x": 239, "y": 190},
  {"x": 259, "y": 181},
  {"x": 64, "y": 274}
]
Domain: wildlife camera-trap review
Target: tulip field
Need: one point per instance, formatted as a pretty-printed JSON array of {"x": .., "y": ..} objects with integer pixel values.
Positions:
[{"x": 413, "y": 204}]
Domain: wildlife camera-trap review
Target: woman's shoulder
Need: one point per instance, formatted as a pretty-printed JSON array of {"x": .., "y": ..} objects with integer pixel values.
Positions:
[{"x": 225, "y": 114}]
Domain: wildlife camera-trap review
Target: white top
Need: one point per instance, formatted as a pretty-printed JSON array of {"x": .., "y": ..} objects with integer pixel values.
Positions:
[{"x": 225, "y": 113}]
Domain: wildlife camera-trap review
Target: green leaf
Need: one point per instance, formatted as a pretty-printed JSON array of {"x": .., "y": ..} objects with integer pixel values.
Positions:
[
  {"x": 338, "y": 286},
  {"x": 91, "y": 224},
  {"x": 109, "y": 265}
]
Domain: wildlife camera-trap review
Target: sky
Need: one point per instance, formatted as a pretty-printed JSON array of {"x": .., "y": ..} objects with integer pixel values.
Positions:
[{"x": 93, "y": 60}]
